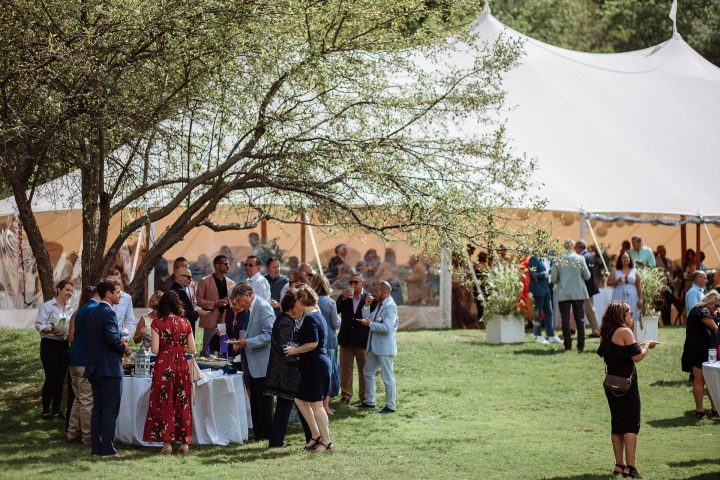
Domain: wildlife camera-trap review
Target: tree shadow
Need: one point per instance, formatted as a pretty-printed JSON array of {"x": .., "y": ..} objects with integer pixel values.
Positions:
[
  {"x": 695, "y": 463},
  {"x": 686, "y": 420}
]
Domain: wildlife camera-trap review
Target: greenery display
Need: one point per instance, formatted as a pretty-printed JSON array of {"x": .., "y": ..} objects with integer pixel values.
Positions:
[
  {"x": 652, "y": 283},
  {"x": 504, "y": 284}
]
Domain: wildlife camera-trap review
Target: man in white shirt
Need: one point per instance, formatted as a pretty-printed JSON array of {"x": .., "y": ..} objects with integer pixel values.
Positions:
[
  {"x": 124, "y": 310},
  {"x": 260, "y": 285}
]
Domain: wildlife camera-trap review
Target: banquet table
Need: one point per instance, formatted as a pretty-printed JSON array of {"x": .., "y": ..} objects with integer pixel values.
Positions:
[
  {"x": 711, "y": 372},
  {"x": 220, "y": 412}
]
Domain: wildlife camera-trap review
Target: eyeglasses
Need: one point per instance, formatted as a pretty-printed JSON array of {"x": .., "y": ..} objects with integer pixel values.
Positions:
[
  {"x": 354, "y": 282},
  {"x": 249, "y": 265}
]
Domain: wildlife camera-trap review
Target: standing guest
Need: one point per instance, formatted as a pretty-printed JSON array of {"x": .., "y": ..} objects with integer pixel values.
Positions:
[
  {"x": 540, "y": 289},
  {"x": 381, "y": 346},
  {"x": 625, "y": 281},
  {"x": 701, "y": 263},
  {"x": 182, "y": 286},
  {"x": 105, "y": 349},
  {"x": 314, "y": 371},
  {"x": 255, "y": 351},
  {"x": 569, "y": 274},
  {"x": 641, "y": 255},
  {"x": 700, "y": 336},
  {"x": 276, "y": 280},
  {"x": 307, "y": 269},
  {"x": 592, "y": 288},
  {"x": 260, "y": 285},
  {"x": 169, "y": 415},
  {"x": 143, "y": 332},
  {"x": 295, "y": 279},
  {"x": 338, "y": 263},
  {"x": 624, "y": 247},
  {"x": 668, "y": 297},
  {"x": 124, "y": 309},
  {"x": 52, "y": 317},
  {"x": 352, "y": 338},
  {"x": 283, "y": 377},
  {"x": 180, "y": 262},
  {"x": 212, "y": 294},
  {"x": 79, "y": 424},
  {"x": 620, "y": 352},
  {"x": 328, "y": 309},
  {"x": 696, "y": 291}
]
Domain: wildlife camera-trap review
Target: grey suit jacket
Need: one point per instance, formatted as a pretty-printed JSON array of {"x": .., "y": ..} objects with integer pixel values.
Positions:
[
  {"x": 569, "y": 274},
  {"x": 258, "y": 335},
  {"x": 381, "y": 340}
]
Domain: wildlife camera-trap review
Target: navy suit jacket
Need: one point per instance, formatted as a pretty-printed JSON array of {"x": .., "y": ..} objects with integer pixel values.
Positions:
[
  {"x": 104, "y": 345},
  {"x": 539, "y": 277},
  {"x": 190, "y": 312},
  {"x": 352, "y": 333}
]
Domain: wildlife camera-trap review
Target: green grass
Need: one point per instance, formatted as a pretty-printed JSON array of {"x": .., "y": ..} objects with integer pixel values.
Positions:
[{"x": 465, "y": 410}]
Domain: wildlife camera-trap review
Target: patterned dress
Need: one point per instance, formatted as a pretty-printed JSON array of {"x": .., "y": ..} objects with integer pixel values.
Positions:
[{"x": 169, "y": 417}]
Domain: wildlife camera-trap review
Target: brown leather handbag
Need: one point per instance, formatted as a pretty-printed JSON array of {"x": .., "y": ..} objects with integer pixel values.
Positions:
[{"x": 616, "y": 384}]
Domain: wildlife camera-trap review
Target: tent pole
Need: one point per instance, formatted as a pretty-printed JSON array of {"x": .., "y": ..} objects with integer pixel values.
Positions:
[
  {"x": 302, "y": 242},
  {"x": 583, "y": 226},
  {"x": 697, "y": 246},
  {"x": 263, "y": 231},
  {"x": 683, "y": 242},
  {"x": 445, "y": 289},
  {"x": 313, "y": 243},
  {"x": 597, "y": 244}
]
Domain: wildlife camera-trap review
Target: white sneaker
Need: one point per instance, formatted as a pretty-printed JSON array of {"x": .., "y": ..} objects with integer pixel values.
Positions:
[
  {"x": 541, "y": 340},
  {"x": 555, "y": 339}
]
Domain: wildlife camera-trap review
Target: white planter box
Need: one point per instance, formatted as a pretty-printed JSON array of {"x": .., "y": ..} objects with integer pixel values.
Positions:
[
  {"x": 504, "y": 329},
  {"x": 650, "y": 332}
]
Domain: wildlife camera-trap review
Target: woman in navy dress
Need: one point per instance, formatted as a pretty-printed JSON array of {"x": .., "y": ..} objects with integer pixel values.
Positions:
[{"x": 314, "y": 370}]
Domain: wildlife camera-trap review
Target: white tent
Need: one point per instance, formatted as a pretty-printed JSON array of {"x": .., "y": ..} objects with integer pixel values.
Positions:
[{"x": 632, "y": 132}]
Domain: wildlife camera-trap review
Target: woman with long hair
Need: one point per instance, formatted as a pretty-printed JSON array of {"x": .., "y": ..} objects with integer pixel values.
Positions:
[
  {"x": 169, "y": 416},
  {"x": 626, "y": 282},
  {"x": 143, "y": 332},
  {"x": 700, "y": 336},
  {"x": 53, "y": 317},
  {"x": 620, "y": 352},
  {"x": 314, "y": 370}
]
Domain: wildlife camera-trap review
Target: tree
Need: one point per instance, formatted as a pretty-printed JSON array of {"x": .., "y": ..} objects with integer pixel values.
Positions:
[{"x": 334, "y": 107}]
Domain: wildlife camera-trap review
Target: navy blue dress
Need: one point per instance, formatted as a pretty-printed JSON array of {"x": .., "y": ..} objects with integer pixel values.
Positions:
[{"x": 315, "y": 364}]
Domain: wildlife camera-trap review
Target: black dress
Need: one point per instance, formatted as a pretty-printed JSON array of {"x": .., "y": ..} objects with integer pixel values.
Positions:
[
  {"x": 315, "y": 364},
  {"x": 698, "y": 339},
  {"x": 282, "y": 378},
  {"x": 625, "y": 409}
]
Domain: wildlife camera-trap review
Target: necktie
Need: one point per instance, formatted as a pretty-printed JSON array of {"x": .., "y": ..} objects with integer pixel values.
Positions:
[{"x": 377, "y": 311}]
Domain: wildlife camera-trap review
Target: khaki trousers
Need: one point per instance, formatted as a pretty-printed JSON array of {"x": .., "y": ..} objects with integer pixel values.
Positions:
[
  {"x": 347, "y": 356},
  {"x": 79, "y": 424},
  {"x": 589, "y": 308}
]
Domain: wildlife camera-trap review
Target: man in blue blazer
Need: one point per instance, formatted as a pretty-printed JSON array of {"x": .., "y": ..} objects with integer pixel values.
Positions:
[
  {"x": 381, "y": 346},
  {"x": 255, "y": 351},
  {"x": 542, "y": 297},
  {"x": 105, "y": 349}
]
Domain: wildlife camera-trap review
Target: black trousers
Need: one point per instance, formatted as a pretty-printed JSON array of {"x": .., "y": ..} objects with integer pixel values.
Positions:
[
  {"x": 579, "y": 314},
  {"x": 260, "y": 408},
  {"x": 283, "y": 407},
  {"x": 54, "y": 359}
]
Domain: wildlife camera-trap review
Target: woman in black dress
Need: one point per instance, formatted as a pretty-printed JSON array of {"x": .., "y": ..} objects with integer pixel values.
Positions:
[
  {"x": 700, "y": 334},
  {"x": 620, "y": 352},
  {"x": 314, "y": 370}
]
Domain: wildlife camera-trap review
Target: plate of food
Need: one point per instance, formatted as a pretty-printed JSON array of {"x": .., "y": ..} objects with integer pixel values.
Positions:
[{"x": 231, "y": 341}]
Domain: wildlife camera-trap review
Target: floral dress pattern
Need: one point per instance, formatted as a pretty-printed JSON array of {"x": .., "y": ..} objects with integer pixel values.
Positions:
[{"x": 169, "y": 416}]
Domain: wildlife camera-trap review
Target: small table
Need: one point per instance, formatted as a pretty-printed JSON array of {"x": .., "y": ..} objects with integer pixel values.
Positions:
[
  {"x": 220, "y": 411},
  {"x": 711, "y": 372}
]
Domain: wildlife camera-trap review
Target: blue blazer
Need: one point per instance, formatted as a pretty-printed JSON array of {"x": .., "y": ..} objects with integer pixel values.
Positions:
[
  {"x": 258, "y": 335},
  {"x": 104, "y": 346},
  {"x": 381, "y": 340},
  {"x": 539, "y": 277}
]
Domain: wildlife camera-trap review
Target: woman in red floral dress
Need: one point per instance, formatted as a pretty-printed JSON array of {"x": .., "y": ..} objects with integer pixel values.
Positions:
[{"x": 169, "y": 417}]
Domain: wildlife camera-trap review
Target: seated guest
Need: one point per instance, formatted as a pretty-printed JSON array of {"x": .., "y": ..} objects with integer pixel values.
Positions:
[
  {"x": 700, "y": 336},
  {"x": 143, "y": 332},
  {"x": 79, "y": 424},
  {"x": 169, "y": 415},
  {"x": 314, "y": 370},
  {"x": 283, "y": 377}
]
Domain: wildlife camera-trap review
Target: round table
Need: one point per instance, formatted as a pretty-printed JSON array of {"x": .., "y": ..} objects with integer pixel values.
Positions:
[
  {"x": 220, "y": 411},
  {"x": 711, "y": 372}
]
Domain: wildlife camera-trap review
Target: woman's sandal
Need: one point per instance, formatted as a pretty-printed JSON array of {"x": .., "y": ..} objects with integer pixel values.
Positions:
[
  {"x": 701, "y": 415},
  {"x": 632, "y": 472},
  {"x": 622, "y": 469},
  {"x": 714, "y": 413},
  {"x": 326, "y": 447},
  {"x": 313, "y": 443},
  {"x": 166, "y": 450},
  {"x": 184, "y": 449}
]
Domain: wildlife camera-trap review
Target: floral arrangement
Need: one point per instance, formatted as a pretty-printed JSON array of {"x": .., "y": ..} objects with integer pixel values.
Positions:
[
  {"x": 504, "y": 284},
  {"x": 652, "y": 283}
]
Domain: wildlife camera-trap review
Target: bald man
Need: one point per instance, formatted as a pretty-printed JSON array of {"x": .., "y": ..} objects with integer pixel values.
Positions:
[
  {"x": 181, "y": 285},
  {"x": 381, "y": 346}
]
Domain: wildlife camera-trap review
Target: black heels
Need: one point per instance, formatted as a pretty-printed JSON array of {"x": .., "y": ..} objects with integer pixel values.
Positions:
[
  {"x": 632, "y": 472},
  {"x": 313, "y": 443},
  {"x": 622, "y": 470}
]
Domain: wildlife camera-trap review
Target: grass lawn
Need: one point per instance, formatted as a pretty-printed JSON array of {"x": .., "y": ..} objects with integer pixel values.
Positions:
[{"x": 465, "y": 410}]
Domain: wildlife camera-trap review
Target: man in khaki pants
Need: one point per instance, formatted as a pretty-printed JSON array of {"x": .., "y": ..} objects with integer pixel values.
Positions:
[
  {"x": 79, "y": 423},
  {"x": 352, "y": 337}
]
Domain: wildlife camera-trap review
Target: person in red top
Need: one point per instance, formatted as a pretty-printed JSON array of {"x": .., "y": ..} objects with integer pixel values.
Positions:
[{"x": 169, "y": 417}]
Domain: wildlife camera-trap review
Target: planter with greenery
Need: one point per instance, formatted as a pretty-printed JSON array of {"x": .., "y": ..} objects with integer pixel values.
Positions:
[
  {"x": 652, "y": 283},
  {"x": 504, "y": 283}
]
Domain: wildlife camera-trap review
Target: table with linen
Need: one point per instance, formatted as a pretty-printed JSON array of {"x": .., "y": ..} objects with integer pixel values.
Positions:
[
  {"x": 711, "y": 372},
  {"x": 220, "y": 410}
]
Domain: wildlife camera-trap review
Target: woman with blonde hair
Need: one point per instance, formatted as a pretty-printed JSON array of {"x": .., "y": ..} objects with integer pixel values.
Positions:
[
  {"x": 328, "y": 309},
  {"x": 620, "y": 352},
  {"x": 314, "y": 370},
  {"x": 700, "y": 336}
]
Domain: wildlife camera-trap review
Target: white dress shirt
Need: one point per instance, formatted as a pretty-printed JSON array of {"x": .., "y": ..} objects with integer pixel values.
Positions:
[
  {"x": 260, "y": 286},
  {"x": 124, "y": 312}
]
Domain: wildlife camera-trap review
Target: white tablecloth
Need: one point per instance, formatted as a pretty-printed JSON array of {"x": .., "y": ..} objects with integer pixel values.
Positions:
[
  {"x": 711, "y": 372},
  {"x": 601, "y": 302},
  {"x": 220, "y": 413}
]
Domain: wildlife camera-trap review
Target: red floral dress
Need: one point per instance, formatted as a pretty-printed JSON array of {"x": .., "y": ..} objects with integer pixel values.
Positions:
[{"x": 169, "y": 417}]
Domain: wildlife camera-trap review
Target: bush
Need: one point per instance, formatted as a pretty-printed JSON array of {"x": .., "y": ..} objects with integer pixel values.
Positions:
[{"x": 504, "y": 283}]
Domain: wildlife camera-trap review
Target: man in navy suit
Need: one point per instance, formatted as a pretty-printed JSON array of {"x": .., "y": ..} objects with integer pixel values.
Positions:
[
  {"x": 105, "y": 349},
  {"x": 181, "y": 286}
]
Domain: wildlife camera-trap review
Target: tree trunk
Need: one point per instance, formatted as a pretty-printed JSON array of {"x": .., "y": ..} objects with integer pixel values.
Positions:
[{"x": 95, "y": 222}]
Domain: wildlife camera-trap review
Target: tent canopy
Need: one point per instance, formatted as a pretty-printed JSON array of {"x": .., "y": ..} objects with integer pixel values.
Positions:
[{"x": 628, "y": 132}]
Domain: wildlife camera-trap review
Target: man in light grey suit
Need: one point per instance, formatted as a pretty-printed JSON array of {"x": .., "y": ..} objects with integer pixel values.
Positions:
[
  {"x": 255, "y": 352},
  {"x": 381, "y": 346},
  {"x": 569, "y": 277}
]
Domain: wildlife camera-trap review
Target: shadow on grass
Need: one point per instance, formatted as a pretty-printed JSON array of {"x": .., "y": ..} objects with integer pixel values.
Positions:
[
  {"x": 670, "y": 383},
  {"x": 686, "y": 420},
  {"x": 695, "y": 463},
  {"x": 582, "y": 476},
  {"x": 539, "y": 351},
  {"x": 705, "y": 476}
]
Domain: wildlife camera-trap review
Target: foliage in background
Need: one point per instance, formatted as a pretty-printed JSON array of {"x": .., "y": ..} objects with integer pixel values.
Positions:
[
  {"x": 652, "y": 283},
  {"x": 504, "y": 284}
]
